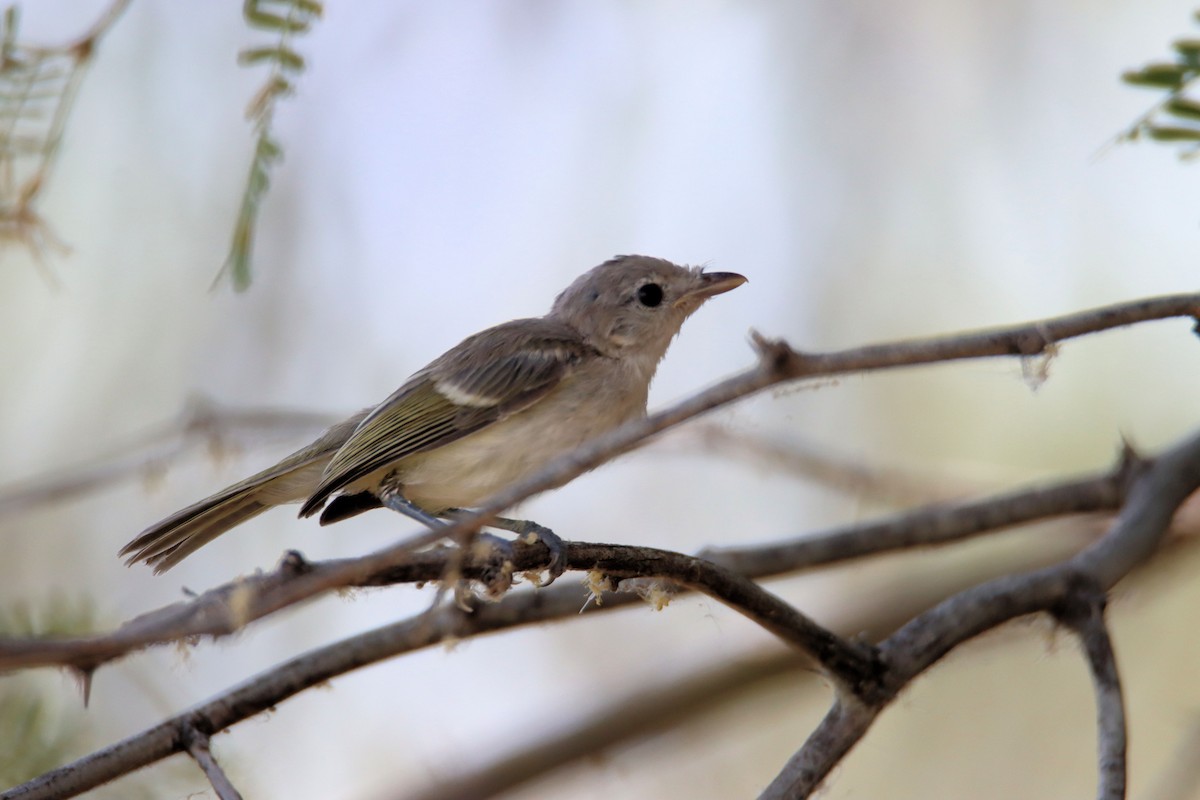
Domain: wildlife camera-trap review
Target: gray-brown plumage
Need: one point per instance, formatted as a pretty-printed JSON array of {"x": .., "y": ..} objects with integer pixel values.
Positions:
[{"x": 484, "y": 415}]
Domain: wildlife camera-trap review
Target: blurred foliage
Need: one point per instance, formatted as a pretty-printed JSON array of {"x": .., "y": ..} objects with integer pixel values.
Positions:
[
  {"x": 1176, "y": 118},
  {"x": 287, "y": 18},
  {"x": 58, "y": 616},
  {"x": 38, "y": 731},
  {"x": 37, "y": 90},
  {"x": 43, "y": 727}
]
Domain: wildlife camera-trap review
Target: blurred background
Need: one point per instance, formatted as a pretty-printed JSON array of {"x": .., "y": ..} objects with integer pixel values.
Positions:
[{"x": 878, "y": 170}]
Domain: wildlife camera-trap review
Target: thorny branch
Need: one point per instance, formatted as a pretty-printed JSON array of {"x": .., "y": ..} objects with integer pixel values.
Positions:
[{"x": 866, "y": 678}]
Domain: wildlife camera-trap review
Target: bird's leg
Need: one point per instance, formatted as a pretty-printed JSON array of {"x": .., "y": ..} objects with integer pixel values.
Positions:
[
  {"x": 530, "y": 532},
  {"x": 396, "y": 501},
  {"x": 497, "y": 574}
]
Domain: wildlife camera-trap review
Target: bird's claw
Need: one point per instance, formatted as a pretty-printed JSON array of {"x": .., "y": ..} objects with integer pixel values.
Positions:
[
  {"x": 533, "y": 533},
  {"x": 529, "y": 533}
]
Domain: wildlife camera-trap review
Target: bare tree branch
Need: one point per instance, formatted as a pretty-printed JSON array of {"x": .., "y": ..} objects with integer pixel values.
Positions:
[
  {"x": 268, "y": 689},
  {"x": 977, "y": 609},
  {"x": 263, "y": 594},
  {"x": 225, "y": 609},
  {"x": 866, "y": 678},
  {"x": 1153, "y": 498}
]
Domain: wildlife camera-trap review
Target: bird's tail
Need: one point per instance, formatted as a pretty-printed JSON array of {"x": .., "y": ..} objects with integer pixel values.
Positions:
[{"x": 166, "y": 543}]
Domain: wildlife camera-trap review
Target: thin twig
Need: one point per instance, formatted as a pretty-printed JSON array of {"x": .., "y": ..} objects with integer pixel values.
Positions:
[
  {"x": 198, "y": 749},
  {"x": 1084, "y": 614},
  {"x": 106, "y": 21},
  {"x": 844, "y": 724},
  {"x": 871, "y": 620}
]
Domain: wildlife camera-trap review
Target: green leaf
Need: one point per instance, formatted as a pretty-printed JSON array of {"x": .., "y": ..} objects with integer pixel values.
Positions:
[
  {"x": 1170, "y": 133},
  {"x": 267, "y": 150},
  {"x": 287, "y": 17},
  {"x": 1183, "y": 107},
  {"x": 1189, "y": 51},
  {"x": 285, "y": 58},
  {"x": 298, "y": 19},
  {"x": 310, "y": 7},
  {"x": 1158, "y": 76},
  {"x": 8, "y": 40}
]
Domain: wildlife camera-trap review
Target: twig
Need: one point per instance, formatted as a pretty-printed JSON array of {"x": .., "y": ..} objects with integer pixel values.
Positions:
[
  {"x": 844, "y": 724},
  {"x": 1084, "y": 614},
  {"x": 101, "y": 26},
  {"x": 317, "y": 667},
  {"x": 198, "y": 749},
  {"x": 268, "y": 689}
]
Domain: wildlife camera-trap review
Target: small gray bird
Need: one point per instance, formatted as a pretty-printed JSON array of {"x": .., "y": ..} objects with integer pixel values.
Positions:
[{"x": 485, "y": 415}]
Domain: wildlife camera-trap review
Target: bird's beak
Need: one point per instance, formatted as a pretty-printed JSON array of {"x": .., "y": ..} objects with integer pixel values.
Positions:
[{"x": 712, "y": 283}]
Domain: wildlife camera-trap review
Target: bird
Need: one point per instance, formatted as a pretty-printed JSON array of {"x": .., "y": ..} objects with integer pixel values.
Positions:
[{"x": 481, "y": 417}]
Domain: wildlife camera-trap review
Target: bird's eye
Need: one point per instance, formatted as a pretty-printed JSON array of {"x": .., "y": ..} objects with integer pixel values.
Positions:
[{"x": 650, "y": 294}]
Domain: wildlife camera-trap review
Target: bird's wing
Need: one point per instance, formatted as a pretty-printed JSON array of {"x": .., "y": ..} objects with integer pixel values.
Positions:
[{"x": 468, "y": 388}]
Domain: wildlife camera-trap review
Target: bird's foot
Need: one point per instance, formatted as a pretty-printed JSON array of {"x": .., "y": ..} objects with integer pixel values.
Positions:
[{"x": 530, "y": 533}]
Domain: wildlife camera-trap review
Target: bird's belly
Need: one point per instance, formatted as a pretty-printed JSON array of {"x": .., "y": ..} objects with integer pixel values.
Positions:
[{"x": 466, "y": 472}]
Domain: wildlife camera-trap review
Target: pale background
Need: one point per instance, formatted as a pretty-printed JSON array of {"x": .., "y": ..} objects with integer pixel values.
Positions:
[{"x": 877, "y": 170}]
